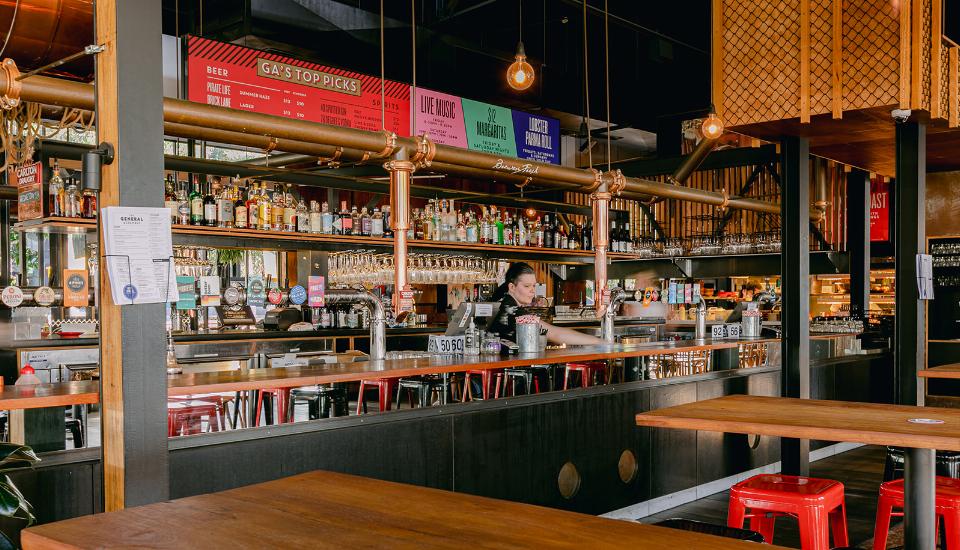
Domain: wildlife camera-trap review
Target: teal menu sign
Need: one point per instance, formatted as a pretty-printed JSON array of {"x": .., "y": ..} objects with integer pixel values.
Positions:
[{"x": 489, "y": 128}]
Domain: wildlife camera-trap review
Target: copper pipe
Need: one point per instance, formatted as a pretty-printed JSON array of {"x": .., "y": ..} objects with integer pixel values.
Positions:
[
  {"x": 601, "y": 240},
  {"x": 400, "y": 171},
  {"x": 59, "y": 92},
  {"x": 692, "y": 161},
  {"x": 43, "y": 31}
]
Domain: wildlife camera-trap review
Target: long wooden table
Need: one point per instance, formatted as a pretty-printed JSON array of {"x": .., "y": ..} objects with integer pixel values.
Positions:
[
  {"x": 329, "y": 510},
  {"x": 920, "y": 429}
]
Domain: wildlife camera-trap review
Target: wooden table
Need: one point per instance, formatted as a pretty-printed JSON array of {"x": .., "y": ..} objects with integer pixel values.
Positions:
[
  {"x": 329, "y": 510},
  {"x": 920, "y": 429},
  {"x": 943, "y": 371}
]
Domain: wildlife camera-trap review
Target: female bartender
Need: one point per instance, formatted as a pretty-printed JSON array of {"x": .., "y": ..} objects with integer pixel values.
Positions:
[{"x": 517, "y": 291}]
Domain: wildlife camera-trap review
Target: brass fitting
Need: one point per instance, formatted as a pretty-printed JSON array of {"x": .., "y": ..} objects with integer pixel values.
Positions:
[{"x": 11, "y": 98}]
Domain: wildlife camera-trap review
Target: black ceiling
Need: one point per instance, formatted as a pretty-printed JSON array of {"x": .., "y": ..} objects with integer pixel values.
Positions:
[{"x": 659, "y": 51}]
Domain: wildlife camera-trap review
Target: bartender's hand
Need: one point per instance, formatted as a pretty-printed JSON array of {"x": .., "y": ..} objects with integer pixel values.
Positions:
[{"x": 562, "y": 335}]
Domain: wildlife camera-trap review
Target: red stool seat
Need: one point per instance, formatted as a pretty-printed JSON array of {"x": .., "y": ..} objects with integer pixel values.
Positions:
[
  {"x": 586, "y": 370},
  {"x": 817, "y": 504},
  {"x": 947, "y": 506}
]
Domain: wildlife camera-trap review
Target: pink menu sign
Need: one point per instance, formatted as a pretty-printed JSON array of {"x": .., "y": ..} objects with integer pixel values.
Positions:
[{"x": 440, "y": 115}]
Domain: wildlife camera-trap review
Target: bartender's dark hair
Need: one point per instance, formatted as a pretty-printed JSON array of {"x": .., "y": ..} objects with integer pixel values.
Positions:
[{"x": 513, "y": 274}]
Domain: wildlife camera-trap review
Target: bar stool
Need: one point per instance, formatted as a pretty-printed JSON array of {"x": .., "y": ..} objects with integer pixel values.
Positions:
[
  {"x": 384, "y": 388},
  {"x": 425, "y": 387},
  {"x": 947, "y": 464},
  {"x": 586, "y": 370},
  {"x": 282, "y": 395},
  {"x": 513, "y": 374},
  {"x": 186, "y": 417},
  {"x": 947, "y": 506},
  {"x": 322, "y": 400},
  {"x": 817, "y": 504},
  {"x": 486, "y": 378}
]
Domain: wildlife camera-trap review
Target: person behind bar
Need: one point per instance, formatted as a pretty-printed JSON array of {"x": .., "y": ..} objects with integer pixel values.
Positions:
[
  {"x": 518, "y": 291},
  {"x": 746, "y": 295}
]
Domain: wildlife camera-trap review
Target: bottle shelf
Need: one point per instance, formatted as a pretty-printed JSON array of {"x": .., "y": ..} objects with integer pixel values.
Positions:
[{"x": 200, "y": 235}]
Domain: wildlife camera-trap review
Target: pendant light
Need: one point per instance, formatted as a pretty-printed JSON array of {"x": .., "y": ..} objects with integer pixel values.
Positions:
[
  {"x": 520, "y": 75},
  {"x": 712, "y": 127}
]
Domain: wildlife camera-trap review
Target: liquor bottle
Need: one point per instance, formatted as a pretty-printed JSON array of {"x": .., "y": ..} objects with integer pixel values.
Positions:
[
  {"x": 289, "y": 211},
  {"x": 183, "y": 204},
  {"x": 366, "y": 222},
  {"x": 573, "y": 242},
  {"x": 196, "y": 203},
  {"x": 316, "y": 217},
  {"x": 253, "y": 211},
  {"x": 88, "y": 207},
  {"x": 346, "y": 220},
  {"x": 471, "y": 231},
  {"x": 538, "y": 233},
  {"x": 587, "y": 237},
  {"x": 614, "y": 238},
  {"x": 303, "y": 217},
  {"x": 355, "y": 221},
  {"x": 225, "y": 207},
  {"x": 498, "y": 223},
  {"x": 461, "y": 230},
  {"x": 387, "y": 222},
  {"x": 71, "y": 199},
  {"x": 210, "y": 205},
  {"x": 451, "y": 223},
  {"x": 240, "y": 216},
  {"x": 427, "y": 217},
  {"x": 437, "y": 222},
  {"x": 326, "y": 219},
  {"x": 279, "y": 209},
  {"x": 485, "y": 232},
  {"x": 376, "y": 223},
  {"x": 169, "y": 198},
  {"x": 55, "y": 191},
  {"x": 521, "y": 231},
  {"x": 547, "y": 232},
  {"x": 561, "y": 236},
  {"x": 264, "y": 209}
]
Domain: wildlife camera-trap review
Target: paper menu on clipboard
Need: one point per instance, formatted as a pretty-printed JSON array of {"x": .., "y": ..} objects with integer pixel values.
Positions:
[{"x": 138, "y": 250}]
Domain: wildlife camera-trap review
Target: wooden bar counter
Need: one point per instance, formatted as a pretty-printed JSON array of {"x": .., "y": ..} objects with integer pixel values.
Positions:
[{"x": 75, "y": 393}]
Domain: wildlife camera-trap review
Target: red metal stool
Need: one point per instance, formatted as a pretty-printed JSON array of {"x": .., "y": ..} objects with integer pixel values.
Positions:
[
  {"x": 812, "y": 501},
  {"x": 486, "y": 378},
  {"x": 186, "y": 417},
  {"x": 384, "y": 388},
  {"x": 947, "y": 506},
  {"x": 586, "y": 370},
  {"x": 282, "y": 395}
]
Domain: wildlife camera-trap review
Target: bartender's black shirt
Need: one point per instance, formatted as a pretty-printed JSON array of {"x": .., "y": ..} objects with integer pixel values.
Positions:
[{"x": 504, "y": 323}]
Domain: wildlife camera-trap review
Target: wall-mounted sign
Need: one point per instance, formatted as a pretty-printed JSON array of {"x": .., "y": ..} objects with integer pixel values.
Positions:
[
  {"x": 879, "y": 210},
  {"x": 28, "y": 179},
  {"x": 461, "y": 122},
  {"x": 315, "y": 289},
  {"x": 252, "y": 80},
  {"x": 75, "y": 293}
]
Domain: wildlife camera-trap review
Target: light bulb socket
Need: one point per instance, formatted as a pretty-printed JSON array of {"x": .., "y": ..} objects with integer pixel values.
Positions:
[{"x": 521, "y": 54}]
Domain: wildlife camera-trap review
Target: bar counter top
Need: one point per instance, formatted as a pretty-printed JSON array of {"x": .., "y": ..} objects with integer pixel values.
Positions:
[{"x": 325, "y": 373}]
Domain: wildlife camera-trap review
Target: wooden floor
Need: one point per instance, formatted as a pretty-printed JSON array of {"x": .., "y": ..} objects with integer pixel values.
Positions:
[{"x": 860, "y": 470}]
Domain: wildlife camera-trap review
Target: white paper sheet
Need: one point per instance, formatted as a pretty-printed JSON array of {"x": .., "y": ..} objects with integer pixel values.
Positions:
[{"x": 138, "y": 251}]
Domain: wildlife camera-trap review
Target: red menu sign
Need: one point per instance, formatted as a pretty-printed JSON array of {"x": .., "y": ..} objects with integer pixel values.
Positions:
[
  {"x": 242, "y": 78},
  {"x": 879, "y": 210}
]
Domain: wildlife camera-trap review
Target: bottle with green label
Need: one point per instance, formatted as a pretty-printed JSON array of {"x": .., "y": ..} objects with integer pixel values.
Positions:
[{"x": 196, "y": 203}]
